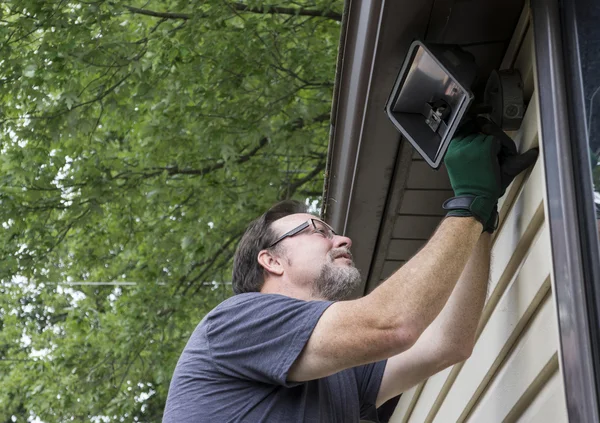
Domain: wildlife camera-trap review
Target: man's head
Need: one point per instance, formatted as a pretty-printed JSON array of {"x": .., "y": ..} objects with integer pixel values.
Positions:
[{"x": 291, "y": 252}]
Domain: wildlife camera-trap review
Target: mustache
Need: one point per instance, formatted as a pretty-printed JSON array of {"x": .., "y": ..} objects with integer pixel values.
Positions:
[{"x": 341, "y": 252}]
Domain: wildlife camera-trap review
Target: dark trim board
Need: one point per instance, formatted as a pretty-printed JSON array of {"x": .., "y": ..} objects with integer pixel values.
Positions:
[{"x": 572, "y": 272}]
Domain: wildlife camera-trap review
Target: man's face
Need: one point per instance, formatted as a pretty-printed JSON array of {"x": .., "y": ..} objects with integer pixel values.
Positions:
[{"x": 317, "y": 261}]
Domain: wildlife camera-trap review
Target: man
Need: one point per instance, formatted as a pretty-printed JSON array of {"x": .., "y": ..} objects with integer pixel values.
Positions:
[{"x": 291, "y": 346}]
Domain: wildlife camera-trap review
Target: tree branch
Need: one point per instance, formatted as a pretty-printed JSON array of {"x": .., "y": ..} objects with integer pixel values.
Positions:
[
  {"x": 209, "y": 265},
  {"x": 291, "y": 188},
  {"x": 164, "y": 15},
  {"x": 75, "y": 106},
  {"x": 65, "y": 231},
  {"x": 175, "y": 170},
  {"x": 265, "y": 10},
  {"x": 276, "y": 10},
  {"x": 242, "y": 159},
  {"x": 310, "y": 193},
  {"x": 226, "y": 258}
]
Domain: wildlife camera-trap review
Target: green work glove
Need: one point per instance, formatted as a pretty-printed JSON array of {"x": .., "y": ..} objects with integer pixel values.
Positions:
[
  {"x": 474, "y": 171},
  {"x": 511, "y": 163}
]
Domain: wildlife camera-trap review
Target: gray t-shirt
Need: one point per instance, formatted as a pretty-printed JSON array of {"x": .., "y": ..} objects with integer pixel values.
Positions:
[{"x": 234, "y": 369}]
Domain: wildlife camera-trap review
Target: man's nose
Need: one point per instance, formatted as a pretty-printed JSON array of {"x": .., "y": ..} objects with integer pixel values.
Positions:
[{"x": 340, "y": 241}]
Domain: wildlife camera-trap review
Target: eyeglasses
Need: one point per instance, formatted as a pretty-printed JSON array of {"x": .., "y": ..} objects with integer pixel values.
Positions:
[{"x": 317, "y": 226}]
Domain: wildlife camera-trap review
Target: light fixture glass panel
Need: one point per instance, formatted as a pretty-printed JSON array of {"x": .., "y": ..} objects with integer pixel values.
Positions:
[{"x": 429, "y": 100}]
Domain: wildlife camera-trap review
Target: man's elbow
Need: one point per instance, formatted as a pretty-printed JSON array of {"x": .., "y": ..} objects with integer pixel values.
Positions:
[
  {"x": 457, "y": 353},
  {"x": 464, "y": 353},
  {"x": 404, "y": 337},
  {"x": 448, "y": 357}
]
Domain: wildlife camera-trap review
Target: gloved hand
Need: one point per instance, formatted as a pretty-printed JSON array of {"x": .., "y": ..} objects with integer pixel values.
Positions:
[
  {"x": 511, "y": 162},
  {"x": 508, "y": 163},
  {"x": 474, "y": 171}
]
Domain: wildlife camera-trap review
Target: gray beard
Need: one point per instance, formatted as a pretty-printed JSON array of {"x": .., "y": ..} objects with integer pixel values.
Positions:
[{"x": 336, "y": 283}]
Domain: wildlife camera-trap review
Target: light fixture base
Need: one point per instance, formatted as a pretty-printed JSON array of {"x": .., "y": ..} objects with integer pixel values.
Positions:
[{"x": 504, "y": 94}]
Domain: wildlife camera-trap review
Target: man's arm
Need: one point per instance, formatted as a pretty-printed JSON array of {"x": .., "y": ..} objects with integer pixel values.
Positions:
[
  {"x": 451, "y": 337},
  {"x": 390, "y": 319}
]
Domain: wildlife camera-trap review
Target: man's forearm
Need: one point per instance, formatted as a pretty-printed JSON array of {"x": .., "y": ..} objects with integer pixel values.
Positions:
[
  {"x": 455, "y": 328},
  {"x": 413, "y": 296}
]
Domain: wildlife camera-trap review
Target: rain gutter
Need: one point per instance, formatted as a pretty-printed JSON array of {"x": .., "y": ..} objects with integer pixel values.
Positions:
[{"x": 360, "y": 27}]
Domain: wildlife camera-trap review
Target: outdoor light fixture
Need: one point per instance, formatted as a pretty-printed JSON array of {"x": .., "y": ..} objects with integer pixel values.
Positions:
[{"x": 430, "y": 97}]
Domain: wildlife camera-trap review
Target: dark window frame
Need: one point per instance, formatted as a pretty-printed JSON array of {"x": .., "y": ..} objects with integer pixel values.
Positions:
[{"x": 570, "y": 205}]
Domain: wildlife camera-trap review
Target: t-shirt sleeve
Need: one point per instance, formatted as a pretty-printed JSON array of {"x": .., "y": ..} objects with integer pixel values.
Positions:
[
  {"x": 259, "y": 336},
  {"x": 369, "y": 379}
]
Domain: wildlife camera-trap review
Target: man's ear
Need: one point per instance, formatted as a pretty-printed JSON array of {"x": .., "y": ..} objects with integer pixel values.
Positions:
[{"x": 270, "y": 262}]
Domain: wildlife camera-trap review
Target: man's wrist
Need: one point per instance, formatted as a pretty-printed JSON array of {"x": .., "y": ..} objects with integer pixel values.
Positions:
[
  {"x": 470, "y": 205},
  {"x": 467, "y": 220}
]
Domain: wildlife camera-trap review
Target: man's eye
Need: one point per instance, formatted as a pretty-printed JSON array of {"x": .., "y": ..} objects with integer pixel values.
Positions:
[{"x": 321, "y": 231}]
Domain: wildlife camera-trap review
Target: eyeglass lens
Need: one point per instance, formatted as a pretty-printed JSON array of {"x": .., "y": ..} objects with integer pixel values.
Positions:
[{"x": 323, "y": 228}]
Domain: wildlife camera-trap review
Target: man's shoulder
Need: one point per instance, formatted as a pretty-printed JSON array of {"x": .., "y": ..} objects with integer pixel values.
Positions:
[
  {"x": 252, "y": 299},
  {"x": 243, "y": 312},
  {"x": 238, "y": 299}
]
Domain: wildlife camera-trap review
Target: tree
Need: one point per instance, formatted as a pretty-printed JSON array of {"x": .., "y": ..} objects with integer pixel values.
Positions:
[{"x": 137, "y": 141}]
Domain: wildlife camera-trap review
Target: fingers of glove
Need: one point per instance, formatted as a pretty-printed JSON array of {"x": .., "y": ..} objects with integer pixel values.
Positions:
[
  {"x": 464, "y": 128},
  {"x": 494, "y": 160},
  {"x": 509, "y": 147},
  {"x": 485, "y": 125},
  {"x": 498, "y": 146},
  {"x": 490, "y": 128},
  {"x": 512, "y": 166},
  {"x": 475, "y": 138},
  {"x": 468, "y": 126},
  {"x": 453, "y": 150},
  {"x": 459, "y": 148},
  {"x": 474, "y": 148}
]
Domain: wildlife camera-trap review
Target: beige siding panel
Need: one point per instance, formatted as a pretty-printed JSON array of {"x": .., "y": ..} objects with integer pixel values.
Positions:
[
  {"x": 533, "y": 389},
  {"x": 536, "y": 348},
  {"x": 415, "y": 227},
  {"x": 424, "y": 202},
  {"x": 403, "y": 249},
  {"x": 406, "y": 404},
  {"x": 515, "y": 43},
  {"x": 422, "y": 176},
  {"x": 508, "y": 245},
  {"x": 524, "y": 64},
  {"x": 519, "y": 302},
  {"x": 433, "y": 385},
  {"x": 549, "y": 405}
]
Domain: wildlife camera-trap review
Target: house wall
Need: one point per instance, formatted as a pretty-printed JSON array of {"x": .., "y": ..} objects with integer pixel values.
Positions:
[{"x": 513, "y": 374}]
